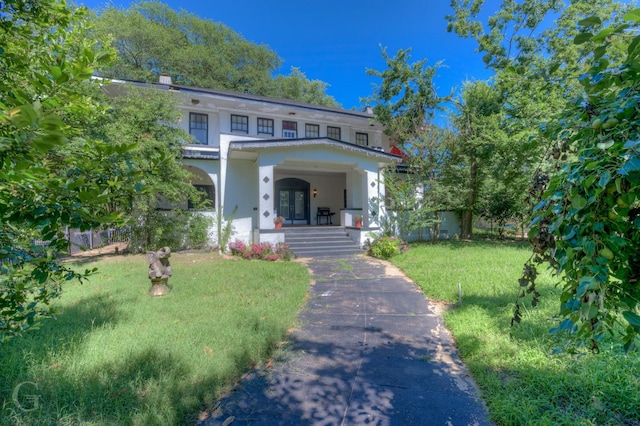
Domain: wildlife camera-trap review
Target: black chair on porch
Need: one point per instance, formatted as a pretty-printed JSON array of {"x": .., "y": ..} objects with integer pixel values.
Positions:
[{"x": 326, "y": 213}]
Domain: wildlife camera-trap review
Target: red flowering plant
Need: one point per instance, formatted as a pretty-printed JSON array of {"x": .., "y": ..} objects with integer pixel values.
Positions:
[{"x": 262, "y": 251}]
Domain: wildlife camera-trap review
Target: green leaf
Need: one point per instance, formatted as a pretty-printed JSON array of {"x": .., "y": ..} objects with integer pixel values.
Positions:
[
  {"x": 604, "y": 179},
  {"x": 590, "y": 21},
  {"x": 633, "y": 15},
  {"x": 586, "y": 284},
  {"x": 633, "y": 47},
  {"x": 579, "y": 202},
  {"x": 605, "y": 145},
  {"x": 589, "y": 310},
  {"x": 632, "y": 318},
  {"x": 603, "y": 34},
  {"x": 582, "y": 38},
  {"x": 631, "y": 165}
]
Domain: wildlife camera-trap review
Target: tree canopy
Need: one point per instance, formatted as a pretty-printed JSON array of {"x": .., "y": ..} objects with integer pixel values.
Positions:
[
  {"x": 153, "y": 39},
  {"x": 46, "y": 62}
]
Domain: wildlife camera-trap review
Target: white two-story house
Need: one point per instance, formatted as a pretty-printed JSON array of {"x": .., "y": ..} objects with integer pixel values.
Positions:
[{"x": 258, "y": 158}]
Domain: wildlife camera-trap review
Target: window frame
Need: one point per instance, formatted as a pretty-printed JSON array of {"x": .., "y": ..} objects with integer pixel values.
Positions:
[
  {"x": 334, "y": 128},
  {"x": 366, "y": 138},
  {"x": 270, "y": 125},
  {"x": 316, "y": 131},
  {"x": 235, "y": 125},
  {"x": 293, "y": 129},
  {"x": 192, "y": 127}
]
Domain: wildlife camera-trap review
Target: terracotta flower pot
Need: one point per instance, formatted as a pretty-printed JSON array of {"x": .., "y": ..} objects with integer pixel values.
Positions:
[{"x": 278, "y": 225}]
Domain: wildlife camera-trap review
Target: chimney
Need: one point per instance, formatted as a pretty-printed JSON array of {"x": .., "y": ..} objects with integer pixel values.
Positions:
[
  {"x": 368, "y": 110},
  {"x": 165, "y": 79}
]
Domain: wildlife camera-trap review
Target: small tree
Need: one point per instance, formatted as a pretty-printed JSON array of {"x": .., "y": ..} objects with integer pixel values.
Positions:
[{"x": 45, "y": 64}]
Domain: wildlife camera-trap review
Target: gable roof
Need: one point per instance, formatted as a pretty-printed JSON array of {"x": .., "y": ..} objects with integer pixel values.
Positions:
[{"x": 236, "y": 96}]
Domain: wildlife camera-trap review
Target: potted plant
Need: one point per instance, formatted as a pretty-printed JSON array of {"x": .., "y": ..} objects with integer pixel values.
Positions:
[
  {"x": 357, "y": 220},
  {"x": 278, "y": 220}
]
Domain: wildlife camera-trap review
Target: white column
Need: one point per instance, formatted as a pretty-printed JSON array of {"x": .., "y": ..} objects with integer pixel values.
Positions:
[
  {"x": 267, "y": 199},
  {"x": 372, "y": 203}
]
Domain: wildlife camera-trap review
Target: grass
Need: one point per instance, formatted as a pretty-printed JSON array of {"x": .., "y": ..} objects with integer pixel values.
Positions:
[
  {"x": 522, "y": 380},
  {"x": 115, "y": 355}
]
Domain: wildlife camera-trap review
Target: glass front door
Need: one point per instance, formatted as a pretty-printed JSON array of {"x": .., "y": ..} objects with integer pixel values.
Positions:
[{"x": 293, "y": 204}]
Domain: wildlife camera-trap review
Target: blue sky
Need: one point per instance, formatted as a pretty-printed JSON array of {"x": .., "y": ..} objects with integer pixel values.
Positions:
[{"x": 337, "y": 40}]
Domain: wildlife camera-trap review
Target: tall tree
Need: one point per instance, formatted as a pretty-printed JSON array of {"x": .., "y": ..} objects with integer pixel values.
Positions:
[
  {"x": 149, "y": 120},
  {"x": 297, "y": 86},
  {"x": 479, "y": 133},
  {"x": 153, "y": 39},
  {"x": 406, "y": 99},
  {"x": 46, "y": 59}
]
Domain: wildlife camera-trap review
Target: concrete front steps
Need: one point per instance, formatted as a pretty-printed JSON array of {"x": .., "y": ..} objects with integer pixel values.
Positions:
[{"x": 320, "y": 241}]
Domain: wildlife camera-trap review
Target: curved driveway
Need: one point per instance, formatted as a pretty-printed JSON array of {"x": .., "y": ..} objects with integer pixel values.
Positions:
[{"x": 369, "y": 350}]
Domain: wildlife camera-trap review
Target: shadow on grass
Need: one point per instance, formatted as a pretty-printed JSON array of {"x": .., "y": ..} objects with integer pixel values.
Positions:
[
  {"x": 534, "y": 388},
  {"x": 145, "y": 387}
]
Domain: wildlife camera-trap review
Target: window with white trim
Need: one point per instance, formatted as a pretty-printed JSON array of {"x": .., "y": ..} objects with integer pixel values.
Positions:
[
  {"x": 311, "y": 131},
  {"x": 239, "y": 123},
  {"x": 333, "y": 132},
  {"x": 199, "y": 128},
  {"x": 289, "y": 129},
  {"x": 362, "y": 139},
  {"x": 265, "y": 126}
]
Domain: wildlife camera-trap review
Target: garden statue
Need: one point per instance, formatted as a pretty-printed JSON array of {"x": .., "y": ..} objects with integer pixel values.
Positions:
[{"x": 159, "y": 271}]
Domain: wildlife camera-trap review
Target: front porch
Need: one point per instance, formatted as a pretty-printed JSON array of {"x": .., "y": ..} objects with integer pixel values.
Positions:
[{"x": 319, "y": 182}]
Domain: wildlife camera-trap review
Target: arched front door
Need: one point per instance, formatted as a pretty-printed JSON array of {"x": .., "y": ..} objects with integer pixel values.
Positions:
[{"x": 293, "y": 200}]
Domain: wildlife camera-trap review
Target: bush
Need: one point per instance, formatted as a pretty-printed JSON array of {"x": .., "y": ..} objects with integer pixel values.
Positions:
[
  {"x": 386, "y": 247},
  {"x": 198, "y": 231},
  {"x": 178, "y": 229},
  {"x": 262, "y": 251}
]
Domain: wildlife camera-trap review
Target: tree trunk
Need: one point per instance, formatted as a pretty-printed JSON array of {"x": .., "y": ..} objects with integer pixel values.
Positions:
[
  {"x": 466, "y": 224},
  {"x": 466, "y": 227}
]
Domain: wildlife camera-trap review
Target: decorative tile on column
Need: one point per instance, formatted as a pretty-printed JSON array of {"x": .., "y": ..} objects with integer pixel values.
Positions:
[
  {"x": 266, "y": 179},
  {"x": 373, "y": 184},
  {"x": 266, "y": 214},
  {"x": 266, "y": 197}
]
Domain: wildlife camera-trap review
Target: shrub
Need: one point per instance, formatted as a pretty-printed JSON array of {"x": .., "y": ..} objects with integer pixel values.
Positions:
[
  {"x": 386, "y": 247},
  {"x": 198, "y": 231},
  {"x": 262, "y": 251}
]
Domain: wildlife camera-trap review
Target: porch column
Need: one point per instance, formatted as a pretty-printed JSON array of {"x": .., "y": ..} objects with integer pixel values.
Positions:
[
  {"x": 375, "y": 200},
  {"x": 266, "y": 209}
]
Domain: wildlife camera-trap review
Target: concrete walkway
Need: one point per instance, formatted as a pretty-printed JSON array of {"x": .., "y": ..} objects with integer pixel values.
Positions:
[{"x": 369, "y": 349}]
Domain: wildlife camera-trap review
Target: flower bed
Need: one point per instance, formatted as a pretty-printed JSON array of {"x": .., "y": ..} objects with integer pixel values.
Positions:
[{"x": 262, "y": 251}]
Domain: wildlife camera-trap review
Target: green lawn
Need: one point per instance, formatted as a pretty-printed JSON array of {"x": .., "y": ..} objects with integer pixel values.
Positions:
[
  {"x": 522, "y": 381},
  {"x": 117, "y": 356}
]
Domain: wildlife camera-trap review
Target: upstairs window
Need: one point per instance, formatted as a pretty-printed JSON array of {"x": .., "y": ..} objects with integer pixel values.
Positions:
[
  {"x": 289, "y": 129},
  {"x": 362, "y": 139},
  {"x": 199, "y": 128},
  {"x": 333, "y": 132},
  {"x": 239, "y": 123},
  {"x": 311, "y": 131},
  {"x": 265, "y": 126}
]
